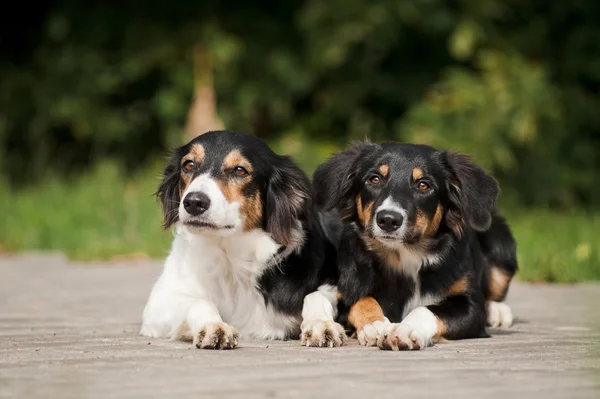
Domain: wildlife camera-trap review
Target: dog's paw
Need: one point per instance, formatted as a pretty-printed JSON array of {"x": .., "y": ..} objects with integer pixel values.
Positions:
[
  {"x": 401, "y": 337},
  {"x": 370, "y": 333},
  {"x": 216, "y": 336},
  {"x": 322, "y": 333},
  {"x": 498, "y": 314}
]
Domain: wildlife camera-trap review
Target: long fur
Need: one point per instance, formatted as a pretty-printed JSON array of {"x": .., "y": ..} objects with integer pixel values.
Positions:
[
  {"x": 452, "y": 255},
  {"x": 255, "y": 262}
]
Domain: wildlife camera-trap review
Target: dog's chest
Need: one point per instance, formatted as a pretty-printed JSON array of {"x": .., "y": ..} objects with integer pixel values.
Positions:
[
  {"x": 411, "y": 294},
  {"x": 228, "y": 272}
]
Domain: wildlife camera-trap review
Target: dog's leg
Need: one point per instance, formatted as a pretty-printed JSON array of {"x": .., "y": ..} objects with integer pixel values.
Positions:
[
  {"x": 208, "y": 329},
  {"x": 318, "y": 315},
  {"x": 367, "y": 317},
  {"x": 455, "y": 317}
]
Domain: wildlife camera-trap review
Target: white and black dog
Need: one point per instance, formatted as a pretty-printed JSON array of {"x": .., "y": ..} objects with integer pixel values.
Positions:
[{"x": 251, "y": 257}]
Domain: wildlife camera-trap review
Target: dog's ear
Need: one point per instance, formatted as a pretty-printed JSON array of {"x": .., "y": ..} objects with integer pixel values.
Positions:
[
  {"x": 288, "y": 201},
  {"x": 333, "y": 178},
  {"x": 168, "y": 192},
  {"x": 471, "y": 190}
]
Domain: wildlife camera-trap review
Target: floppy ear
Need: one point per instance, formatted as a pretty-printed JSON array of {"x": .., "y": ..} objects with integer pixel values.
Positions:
[
  {"x": 288, "y": 201},
  {"x": 333, "y": 178},
  {"x": 168, "y": 192},
  {"x": 471, "y": 190}
]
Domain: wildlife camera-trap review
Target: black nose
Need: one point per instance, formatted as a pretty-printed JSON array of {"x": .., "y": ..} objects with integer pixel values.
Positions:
[
  {"x": 389, "y": 220},
  {"x": 196, "y": 203}
]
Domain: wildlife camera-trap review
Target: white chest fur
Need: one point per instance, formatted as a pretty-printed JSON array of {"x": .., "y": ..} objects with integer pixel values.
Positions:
[
  {"x": 224, "y": 271},
  {"x": 412, "y": 263}
]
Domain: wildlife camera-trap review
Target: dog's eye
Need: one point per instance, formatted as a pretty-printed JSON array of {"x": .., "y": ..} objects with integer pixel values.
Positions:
[
  {"x": 240, "y": 171},
  {"x": 188, "y": 166},
  {"x": 423, "y": 186},
  {"x": 374, "y": 179}
]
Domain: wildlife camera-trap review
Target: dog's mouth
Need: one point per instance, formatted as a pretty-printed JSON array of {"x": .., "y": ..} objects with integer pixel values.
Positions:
[
  {"x": 206, "y": 226},
  {"x": 406, "y": 239}
]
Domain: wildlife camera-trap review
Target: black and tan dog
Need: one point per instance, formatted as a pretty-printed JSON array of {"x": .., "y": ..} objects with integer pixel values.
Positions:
[{"x": 423, "y": 255}]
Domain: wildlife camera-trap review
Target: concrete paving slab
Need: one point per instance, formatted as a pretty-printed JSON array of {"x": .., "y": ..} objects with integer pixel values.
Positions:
[{"x": 69, "y": 330}]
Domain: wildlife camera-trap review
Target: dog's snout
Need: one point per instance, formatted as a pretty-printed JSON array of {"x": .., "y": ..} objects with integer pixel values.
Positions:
[
  {"x": 389, "y": 221},
  {"x": 196, "y": 203}
]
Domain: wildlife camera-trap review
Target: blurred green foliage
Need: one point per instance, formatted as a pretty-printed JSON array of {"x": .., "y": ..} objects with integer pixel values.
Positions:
[
  {"x": 107, "y": 213},
  {"x": 513, "y": 82},
  {"x": 93, "y": 94}
]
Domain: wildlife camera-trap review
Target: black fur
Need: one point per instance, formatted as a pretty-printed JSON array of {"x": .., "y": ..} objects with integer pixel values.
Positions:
[
  {"x": 286, "y": 198},
  {"x": 470, "y": 237}
]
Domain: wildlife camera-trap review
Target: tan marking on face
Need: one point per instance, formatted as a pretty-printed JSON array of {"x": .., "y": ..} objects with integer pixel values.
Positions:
[
  {"x": 421, "y": 222},
  {"x": 365, "y": 311},
  {"x": 197, "y": 155},
  {"x": 232, "y": 188},
  {"x": 339, "y": 296},
  {"x": 434, "y": 224},
  {"x": 251, "y": 208},
  {"x": 459, "y": 287},
  {"x": 384, "y": 170},
  {"x": 498, "y": 284},
  {"x": 365, "y": 213},
  {"x": 417, "y": 174}
]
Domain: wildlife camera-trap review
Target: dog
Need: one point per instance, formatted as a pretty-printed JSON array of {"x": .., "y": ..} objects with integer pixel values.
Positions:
[
  {"x": 250, "y": 258},
  {"x": 424, "y": 255}
]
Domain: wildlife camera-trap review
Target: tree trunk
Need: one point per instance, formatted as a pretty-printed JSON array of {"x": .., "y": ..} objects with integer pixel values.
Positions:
[{"x": 202, "y": 116}]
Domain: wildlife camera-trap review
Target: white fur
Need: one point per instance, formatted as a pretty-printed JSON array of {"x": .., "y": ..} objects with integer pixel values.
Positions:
[
  {"x": 420, "y": 326},
  {"x": 318, "y": 315},
  {"x": 321, "y": 304},
  {"x": 412, "y": 258},
  {"x": 208, "y": 279},
  {"x": 418, "y": 300},
  {"x": 221, "y": 213},
  {"x": 390, "y": 205},
  {"x": 370, "y": 333},
  {"x": 498, "y": 314}
]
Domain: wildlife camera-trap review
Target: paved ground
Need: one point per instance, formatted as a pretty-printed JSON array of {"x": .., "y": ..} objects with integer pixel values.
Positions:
[{"x": 70, "y": 331}]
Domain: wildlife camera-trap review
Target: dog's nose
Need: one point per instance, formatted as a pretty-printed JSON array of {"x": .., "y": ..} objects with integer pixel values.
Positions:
[
  {"x": 389, "y": 221},
  {"x": 196, "y": 203}
]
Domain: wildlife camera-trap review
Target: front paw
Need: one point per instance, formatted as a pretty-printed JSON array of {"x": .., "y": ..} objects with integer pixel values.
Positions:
[
  {"x": 322, "y": 333},
  {"x": 401, "y": 337},
  {"x": 370, "y": 333},
  {"x": 499, "y": 315},
  {"x": 216, "y": 336}
]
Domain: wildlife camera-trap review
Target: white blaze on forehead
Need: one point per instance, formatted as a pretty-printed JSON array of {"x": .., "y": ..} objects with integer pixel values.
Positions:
[
  {"x": 220, "y": 212},
  {"x": 390, "y": 205}
]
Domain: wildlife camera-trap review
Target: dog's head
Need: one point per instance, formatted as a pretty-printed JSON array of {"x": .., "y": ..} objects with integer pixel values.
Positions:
[
  {"x": 403, "y": 194},
  {"x": 225, "y": 182}
]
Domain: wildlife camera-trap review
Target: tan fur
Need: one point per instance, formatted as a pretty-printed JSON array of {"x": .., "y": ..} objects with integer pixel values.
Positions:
[
  {"x": 442, "y": 329},
  {"x": 197, "y": 152},
  {"x": 427, "y": 226},
  {"x": 365, "y": 214},
  {"x": 232, "y": 189},
  {"x": 389, "y": 257},
  {"x": 384, "y": 170},
  {"x": 365, "y": 311},
  {"x": 417, "y": 174},
  {"x": 498, "y": 284},
  {"x": 459, "y": 287},
  {"x": 197, "y": 155},
  {"x": 434, "y": 224}
]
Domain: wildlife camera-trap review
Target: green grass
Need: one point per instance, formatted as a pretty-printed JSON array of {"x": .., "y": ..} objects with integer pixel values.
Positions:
[
  {"x": 101, "y": 215},
  {"x": 97, "y": 216}
]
